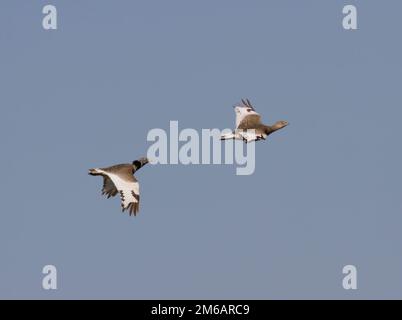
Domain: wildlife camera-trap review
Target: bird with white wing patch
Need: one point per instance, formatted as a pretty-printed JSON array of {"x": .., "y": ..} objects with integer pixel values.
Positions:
[
  {"x": 249, "y": 126},
  {"x": 120, "y": 179}
]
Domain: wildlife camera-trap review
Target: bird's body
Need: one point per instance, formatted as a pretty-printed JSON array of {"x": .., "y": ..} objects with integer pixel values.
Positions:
[
  {"x": 120, "y": 179},
  {"x": 249, "y": 126}
]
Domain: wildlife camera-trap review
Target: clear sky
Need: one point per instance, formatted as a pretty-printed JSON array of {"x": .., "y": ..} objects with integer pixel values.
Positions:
[{"x": 326, "y": 191}]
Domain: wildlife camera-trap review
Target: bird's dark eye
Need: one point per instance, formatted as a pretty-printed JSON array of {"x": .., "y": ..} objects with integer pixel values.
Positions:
[{"x": 249, "y": 110}]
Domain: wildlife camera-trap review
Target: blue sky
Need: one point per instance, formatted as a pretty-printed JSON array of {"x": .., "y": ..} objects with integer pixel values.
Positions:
[{"x": 326, "y": 191}]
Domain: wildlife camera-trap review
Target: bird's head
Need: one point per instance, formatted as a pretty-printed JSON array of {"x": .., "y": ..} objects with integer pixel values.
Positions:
[
  {"x": 280, "y": 124},
  {"x": 237, "y": 110},
  {"x": 244, "y": 108},
  {"x": 140, "y": 162},
  {"x": 243, "y": 111}
]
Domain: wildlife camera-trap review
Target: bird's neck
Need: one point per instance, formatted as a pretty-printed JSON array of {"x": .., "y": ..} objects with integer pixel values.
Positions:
[
  {"x": 276, "y": 127},
  {"x": 269, "y": 129}
]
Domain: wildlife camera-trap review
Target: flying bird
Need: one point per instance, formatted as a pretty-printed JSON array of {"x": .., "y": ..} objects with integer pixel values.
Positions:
[
  {"x": 120, "y": 179},
  {"x": 249, "y": 126}
]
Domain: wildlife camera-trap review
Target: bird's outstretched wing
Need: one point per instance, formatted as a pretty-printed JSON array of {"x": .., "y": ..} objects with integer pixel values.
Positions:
[
  {"x": 229, "y": 136},
  {"x": 246, "y": 116},
  {"x": 129, "y": 190},
  {"x": 109, "y": 189},
  {"x": 119, "y": 179}
]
